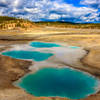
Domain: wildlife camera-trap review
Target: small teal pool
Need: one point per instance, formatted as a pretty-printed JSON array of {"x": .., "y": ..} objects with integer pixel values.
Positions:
[
  {"x": 34, "y": 55},
  {"x": 74, "y": 47},
  {"x": 64, "y": 82},
  {"x": 44, "y": 45}
]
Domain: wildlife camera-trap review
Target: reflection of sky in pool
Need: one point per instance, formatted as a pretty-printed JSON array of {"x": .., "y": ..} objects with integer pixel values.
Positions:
[
  {"x": 44, "y": 45},
  {"x": 35, "y": 55},
  {"x": 64, "y": 82},
  {"x": 53, "y": 82}
]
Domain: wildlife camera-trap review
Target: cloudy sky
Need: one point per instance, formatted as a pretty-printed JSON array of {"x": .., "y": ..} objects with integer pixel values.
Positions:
[{"x": 79, "y": 11}]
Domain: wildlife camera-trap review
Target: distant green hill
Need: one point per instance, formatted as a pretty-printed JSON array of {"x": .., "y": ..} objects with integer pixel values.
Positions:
[
  {"x": 70, "y": 25},
  {"x": 22, "y": 23},
  {"x": 15, "y": 23}
]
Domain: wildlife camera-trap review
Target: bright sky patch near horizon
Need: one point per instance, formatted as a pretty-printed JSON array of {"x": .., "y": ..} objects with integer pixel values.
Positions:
[{"x": 78, "y": 11}]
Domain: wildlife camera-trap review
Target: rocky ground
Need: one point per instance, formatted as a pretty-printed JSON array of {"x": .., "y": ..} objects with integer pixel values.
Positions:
[{"x": 13, "y": 69}]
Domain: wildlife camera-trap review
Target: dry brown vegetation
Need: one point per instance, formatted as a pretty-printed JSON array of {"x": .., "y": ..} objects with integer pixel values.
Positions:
[{"x": 8, "y": 23}]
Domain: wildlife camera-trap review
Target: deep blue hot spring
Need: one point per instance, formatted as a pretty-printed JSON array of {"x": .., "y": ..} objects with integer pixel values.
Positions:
[{"x": 64, "y": 82}]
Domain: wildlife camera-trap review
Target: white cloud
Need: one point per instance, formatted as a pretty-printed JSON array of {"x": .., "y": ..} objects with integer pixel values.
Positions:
[
  {"x": 1, "y": 11},
  {"x": 91, "y": 3},
  {"x": 54, "y": 16},
  {"x": 37, "y": 10}
]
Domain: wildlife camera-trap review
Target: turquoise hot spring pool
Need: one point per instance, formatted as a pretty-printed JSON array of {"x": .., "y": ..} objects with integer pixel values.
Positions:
[
  {"x": 53, "y": 82},
  {"x": 44, "y": 45},
  {"x": 63, "y": 82}
]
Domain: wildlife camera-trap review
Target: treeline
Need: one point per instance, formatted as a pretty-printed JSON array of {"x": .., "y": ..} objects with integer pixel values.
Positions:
[
  {"x": 4, "y": 20},
  {"x": 70, "y": 25}
]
